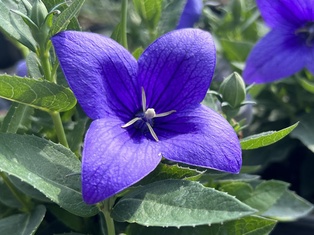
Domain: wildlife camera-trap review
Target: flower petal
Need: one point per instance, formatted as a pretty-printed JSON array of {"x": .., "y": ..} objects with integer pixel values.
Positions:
[
  {"x": 279, "y": 54},
  {"x": 176, "y": 70},
  {"x": 191, "y": 13},
  {"x": 101, "y": 73},
  {"x": 200, "y": 137},
  {"x": 114, "y": 159},
  {"x": 283, "y": 12}
]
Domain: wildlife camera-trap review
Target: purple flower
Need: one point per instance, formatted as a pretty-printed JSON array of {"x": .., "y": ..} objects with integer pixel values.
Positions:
[
  {"x": 288, "y": 47},
  {"x": 144, "y": 110},
  {"x": 21, "y": 68},
  {"x": 191, "y": 14}
]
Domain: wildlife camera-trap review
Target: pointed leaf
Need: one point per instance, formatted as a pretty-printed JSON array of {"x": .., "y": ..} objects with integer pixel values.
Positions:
[
  {"x": 289, "y": 207},
  {"x": 171, "y": 12},
  {"x": 265, "y": 138},
  {"x": 178, "y": 203},
  {"x": 65, "y": 17},
  {"x": 47, "y": 167},
  {"x": 23, "y": 224},
  {"x": 40, "y": 94},
  {"x": 149, "y": 10},
  {"x": 14, "y": 27},
  {"x": 305, "y": 131}
]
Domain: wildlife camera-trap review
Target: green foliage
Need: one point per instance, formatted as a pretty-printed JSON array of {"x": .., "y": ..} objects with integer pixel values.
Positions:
[
  {"x": 47, "y": 167},
  {"x": 23, "y": 224},
  {"x": 183, "y": 203},
  {"x": 39, "y": 94},
  {"x": 251, "y": 225},
  {"x": 265, "y": 138}
]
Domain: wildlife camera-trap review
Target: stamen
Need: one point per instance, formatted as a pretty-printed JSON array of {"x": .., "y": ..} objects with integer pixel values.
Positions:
[
  {"x": 143, "y": 100},
  {"x": 165, "y": 113},
  {"x": 134, "y": 120},
  {"x": 152, "y": 132}
]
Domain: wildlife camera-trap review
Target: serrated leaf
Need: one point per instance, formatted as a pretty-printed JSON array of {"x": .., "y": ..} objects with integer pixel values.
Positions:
[
  {"x": 40, "y": 94},
  {"x": 265, "y": 138},
  {"x": 65, "y": 17},
  {"x": 251, "y": 225},
  {"x": 23, "y": 224},
  {"x": 289, "y": 207},
  {"x": 150, "y": 11},
  {"x": 45, "y": 166},
  {"x": 305, "y": 130},
  {"x": 14, "y": 27},
  {"x": 178, "y": 203}
]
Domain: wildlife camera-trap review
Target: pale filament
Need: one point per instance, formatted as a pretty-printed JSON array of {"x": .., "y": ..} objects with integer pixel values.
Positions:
[{"x": 149, "y": 114}]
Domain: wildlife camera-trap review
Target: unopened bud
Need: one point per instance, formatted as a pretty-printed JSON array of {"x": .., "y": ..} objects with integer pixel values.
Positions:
[{"x": 233, "y": 90}]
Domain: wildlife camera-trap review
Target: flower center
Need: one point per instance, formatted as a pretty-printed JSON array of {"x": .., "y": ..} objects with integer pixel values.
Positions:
[
  {"x": 144, "y": 119},
  {"x": 307, "y": 32}
]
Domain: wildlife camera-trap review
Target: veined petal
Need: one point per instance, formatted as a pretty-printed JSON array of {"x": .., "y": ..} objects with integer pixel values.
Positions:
[
  {"x": 114, "y": 159},
  {"x": 191, "y": 13},
  {"x": 278, "y": 55},
  {"x": 176, "y": 70},
  {"x": 286, "y": 12},
  {"x": 101, "y": 73},
  {"x": 200, "y": 137}
]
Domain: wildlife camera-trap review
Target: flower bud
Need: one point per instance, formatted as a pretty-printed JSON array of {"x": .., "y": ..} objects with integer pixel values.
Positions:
[
  {"x": 233, "y": 90},
  {"x": 38, "y": 13}
]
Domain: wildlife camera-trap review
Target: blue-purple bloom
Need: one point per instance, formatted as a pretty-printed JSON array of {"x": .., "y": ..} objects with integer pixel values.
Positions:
[
  {"x": 191, "y": 14},
  {"x": 21, "y": 68},
  {"x": 288, "y": 47},
  {"x": 145, "y": 110}
]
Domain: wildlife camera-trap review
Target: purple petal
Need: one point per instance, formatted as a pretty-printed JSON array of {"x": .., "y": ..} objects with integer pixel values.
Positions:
[
  {"x": 21, "y": 68},
  {"x": 278, "y": 55},
  {"x": 176, "y": 70},
  {"x": 114, "y": 159},
  {"x": 286, "y": 12},
  {"x": 101, "y": 73},
  {"x": 191, "y": 14},
  {"x": 200, "y": 137}
]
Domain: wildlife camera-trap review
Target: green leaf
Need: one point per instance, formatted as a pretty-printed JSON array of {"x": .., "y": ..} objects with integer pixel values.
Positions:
[
  {"x": 262, "y": 197},
  {"x": 236, "y": 50},
  {"x": 307, "y": 85},
  {"x": 251, "y": 225},
  {"x": 65, "y": 17},
  {"x": 40, "y": 94},
  {"x": 150, "y": 11},
  {"x": 178, "y": 203},
  {"x": 7, "y": 198},
  {"x": 23, "y": 224},
  {"x": 171, "y": 12},
  {"x": 305, "y": 131},
  {"x": 137, "y": 52},
  {"x": 289, "y": 207},
  {"x": 47, "y": 167},
  {"x": 18, "y": 117},
  {"x": 265, "y": 138},
  {"x": 164, "y": 171},
  {"x": 14, "y": 27}
]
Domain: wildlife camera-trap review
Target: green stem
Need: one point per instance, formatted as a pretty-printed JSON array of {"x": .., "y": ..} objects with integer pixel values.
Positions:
[
  {"x": 105, "y": 208},
  {"x": 21, "y": 198},
  {"x": 124, "y": 14},
  {"x": 59, "y": 128}
]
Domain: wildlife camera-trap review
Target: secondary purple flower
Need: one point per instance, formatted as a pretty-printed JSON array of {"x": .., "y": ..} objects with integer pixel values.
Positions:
[
  {"x": 21, "y": 68},
  {"x": 144, "y": 110},
  {"x": 191, "y": 13},
  {"x": 288, "y": 47}
]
